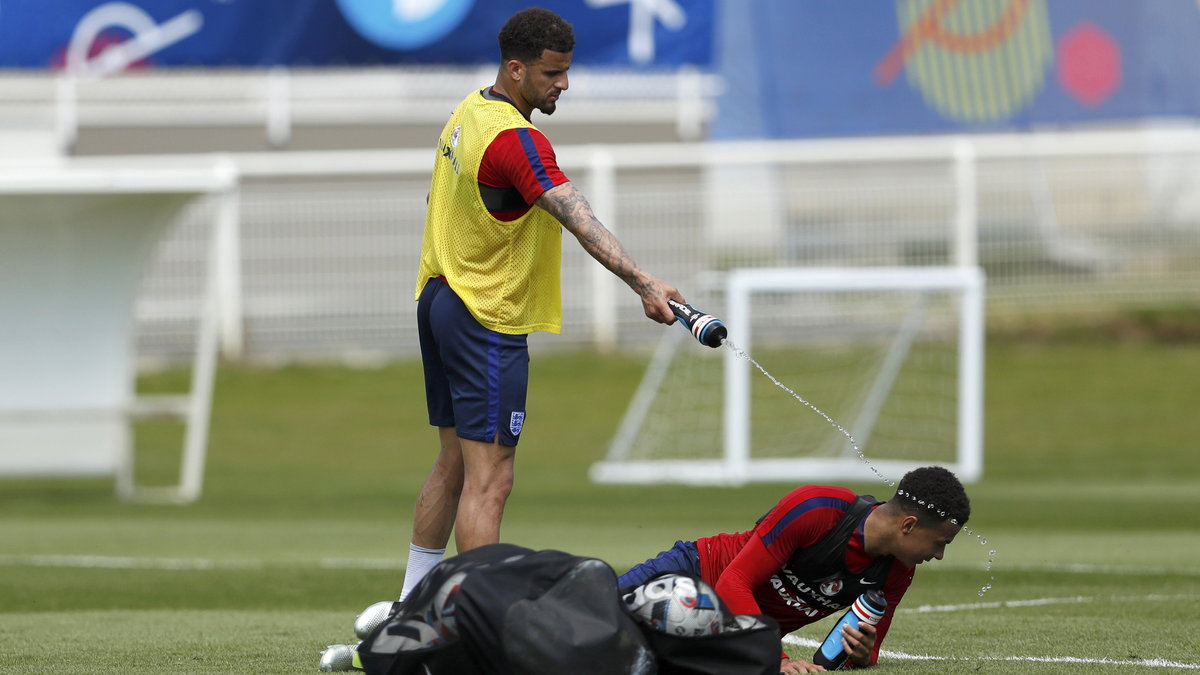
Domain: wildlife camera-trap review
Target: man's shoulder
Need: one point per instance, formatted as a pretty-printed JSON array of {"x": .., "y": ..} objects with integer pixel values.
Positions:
[
  {"x": 519, "y": 144},
  {"x": 832, "y": 493},
  {"x": 805, "y": 514}
]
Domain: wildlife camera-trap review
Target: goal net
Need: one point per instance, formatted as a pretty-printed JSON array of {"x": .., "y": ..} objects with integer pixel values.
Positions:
[{"x": 828, "y": 374}]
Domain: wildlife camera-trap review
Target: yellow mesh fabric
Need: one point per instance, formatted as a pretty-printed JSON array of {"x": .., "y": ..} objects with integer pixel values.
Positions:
[{"x": 507, "y": 273}]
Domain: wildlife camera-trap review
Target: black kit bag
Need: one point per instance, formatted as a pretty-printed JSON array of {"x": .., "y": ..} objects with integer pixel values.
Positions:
[
  {"x": 734, "y": 645},
  {"x": 508, "y": 610}
]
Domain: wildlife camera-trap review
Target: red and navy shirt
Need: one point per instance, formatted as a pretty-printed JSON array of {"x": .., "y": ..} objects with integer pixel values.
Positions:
[
  {"x": 744, "y": 568},
  {"x": 516, "y": 169}
]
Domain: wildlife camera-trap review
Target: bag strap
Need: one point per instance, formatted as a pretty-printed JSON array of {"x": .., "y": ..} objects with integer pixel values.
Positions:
[{"x": 829, "y": 554}]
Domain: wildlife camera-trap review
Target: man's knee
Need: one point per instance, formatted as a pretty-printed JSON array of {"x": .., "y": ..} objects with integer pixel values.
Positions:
[
  {"x": 489, "y": 467},
  {"x": 495, "y": 484}
]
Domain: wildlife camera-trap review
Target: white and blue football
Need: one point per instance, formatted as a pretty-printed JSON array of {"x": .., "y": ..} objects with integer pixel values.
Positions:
[{"x": 677, "y": 605}]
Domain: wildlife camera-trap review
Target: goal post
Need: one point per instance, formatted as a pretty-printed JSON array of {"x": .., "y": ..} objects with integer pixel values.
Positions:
[{"x": 892, "y": 356}]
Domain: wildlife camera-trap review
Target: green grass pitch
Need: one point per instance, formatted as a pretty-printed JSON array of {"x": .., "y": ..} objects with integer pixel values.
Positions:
[{"x": 1091, "y": 499}]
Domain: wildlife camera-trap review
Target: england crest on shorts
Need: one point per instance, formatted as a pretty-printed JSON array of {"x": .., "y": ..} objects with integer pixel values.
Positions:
[{"x": 516, "y": 422}]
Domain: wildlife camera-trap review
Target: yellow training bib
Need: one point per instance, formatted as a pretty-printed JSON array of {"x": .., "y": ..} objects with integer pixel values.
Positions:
[{"x": 507, "y": 273}]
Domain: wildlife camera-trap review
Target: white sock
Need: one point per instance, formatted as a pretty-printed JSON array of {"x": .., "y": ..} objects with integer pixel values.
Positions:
[{"x": 420, "y": 561}]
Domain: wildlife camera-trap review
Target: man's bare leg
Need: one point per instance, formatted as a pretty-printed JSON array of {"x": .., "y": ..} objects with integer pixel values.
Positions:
[
  {"x": 437, "y": 503},
  {"x": 488, "y": 481},
  {"x": 435, "y": 511}
]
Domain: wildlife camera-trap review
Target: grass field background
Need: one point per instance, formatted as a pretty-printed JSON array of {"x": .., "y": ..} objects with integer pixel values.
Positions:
[{"x": 1091, "y": 500}]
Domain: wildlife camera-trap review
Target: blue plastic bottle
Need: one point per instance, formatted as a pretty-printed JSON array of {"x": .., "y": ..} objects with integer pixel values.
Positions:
[
  {"x": 706, "y": 328},
  {"x": 868, "y": 608}
]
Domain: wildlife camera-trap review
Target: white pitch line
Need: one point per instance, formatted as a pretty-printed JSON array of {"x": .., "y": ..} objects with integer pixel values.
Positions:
[
  {"x": 1080, "y": 568},
  {"x": 1039, "y": 602},
  {"x": 126, "y": 562},
  {"x": 362, "y": 563},
  {"x": 192, "y": 564},
  {"x": 923, "y": 609},
  {"x": 902, "y": 656}
]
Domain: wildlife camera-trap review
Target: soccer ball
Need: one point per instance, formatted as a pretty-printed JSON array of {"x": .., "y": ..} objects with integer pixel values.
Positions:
[
  {"x": 677, "y": 605},
  {"x": 441, "y": 612}
]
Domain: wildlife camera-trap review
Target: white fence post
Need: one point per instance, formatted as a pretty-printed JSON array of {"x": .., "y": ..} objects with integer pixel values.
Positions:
[
  {"x": 966, "y": 205},
  {"x": 692, "y": 102},
  {"x": 66, "y": 108},
  {"x": 227, "y": 263},
  {"x": 279, "y": 106},
  {"x": 602, "y": 181}
]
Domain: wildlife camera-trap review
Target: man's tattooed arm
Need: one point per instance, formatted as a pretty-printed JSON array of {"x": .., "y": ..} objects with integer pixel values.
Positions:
[{"x": 571, "y": 208}]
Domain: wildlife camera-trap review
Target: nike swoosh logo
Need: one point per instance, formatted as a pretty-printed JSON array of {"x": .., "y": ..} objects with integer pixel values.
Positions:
[{"x": 864, "y": 582}]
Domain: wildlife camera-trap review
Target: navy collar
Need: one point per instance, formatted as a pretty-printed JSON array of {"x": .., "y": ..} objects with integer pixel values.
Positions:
[{"x": 491, "y": 94}]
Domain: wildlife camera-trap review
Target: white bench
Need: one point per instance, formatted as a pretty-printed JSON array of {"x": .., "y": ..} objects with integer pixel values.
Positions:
[{"x": 74, "y": 243}]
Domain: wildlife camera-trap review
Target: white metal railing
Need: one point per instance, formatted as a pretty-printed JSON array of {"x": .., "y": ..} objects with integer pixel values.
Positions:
[
  {"x": 324, "y": 261},
  {"x": 281, "y": 99}
]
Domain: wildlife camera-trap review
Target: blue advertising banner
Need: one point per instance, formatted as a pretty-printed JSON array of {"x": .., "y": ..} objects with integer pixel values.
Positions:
[
  {"x": 868, "y": 67},
  {"x": 256, "y": 33},
  {"x": 792, "y": 68}
]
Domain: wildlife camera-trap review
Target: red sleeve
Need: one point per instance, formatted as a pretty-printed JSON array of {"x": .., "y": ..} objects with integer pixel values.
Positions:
[
  {"x": 801, "y": 519},
  {"x": 752, "y": 567},
  {"x": 523, "y": 159}
]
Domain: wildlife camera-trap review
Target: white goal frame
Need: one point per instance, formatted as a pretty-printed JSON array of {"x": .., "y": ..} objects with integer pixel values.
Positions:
[{"x": 737, "y": 466}]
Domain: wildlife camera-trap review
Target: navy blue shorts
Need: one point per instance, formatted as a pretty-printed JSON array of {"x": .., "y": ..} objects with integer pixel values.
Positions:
[
  {"x": 682, "y": 557},
  {"x": 475, "y": 378}
]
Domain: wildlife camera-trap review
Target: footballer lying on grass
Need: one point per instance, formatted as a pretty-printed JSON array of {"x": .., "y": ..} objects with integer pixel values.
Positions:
[{"x": 819, "y": 549}]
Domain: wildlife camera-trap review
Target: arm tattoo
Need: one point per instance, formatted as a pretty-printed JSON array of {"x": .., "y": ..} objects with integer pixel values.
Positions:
[{"x": 571, "y": 208}]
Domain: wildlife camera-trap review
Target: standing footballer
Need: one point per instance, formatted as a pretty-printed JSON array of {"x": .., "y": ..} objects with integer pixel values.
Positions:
[{"x": 489, "y": 276}]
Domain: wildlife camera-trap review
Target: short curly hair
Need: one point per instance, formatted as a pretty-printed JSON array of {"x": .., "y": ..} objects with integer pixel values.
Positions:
[
  {"x": 531, "y": 31},
  {"x": 933, "y": 494}
]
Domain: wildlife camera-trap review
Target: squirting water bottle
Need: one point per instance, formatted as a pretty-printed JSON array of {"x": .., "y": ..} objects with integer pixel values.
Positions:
[
  {"x": 706, "y": 328},
  {"x": 868, "y": 608}
]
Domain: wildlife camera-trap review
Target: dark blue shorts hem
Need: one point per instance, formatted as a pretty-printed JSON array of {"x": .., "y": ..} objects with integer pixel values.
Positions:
[{"x": 476, "y": 379}]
